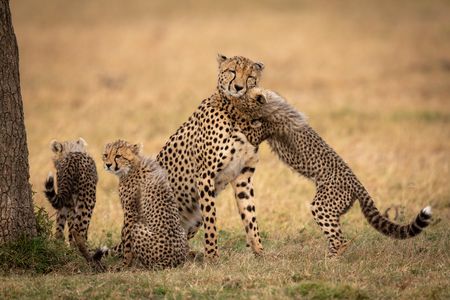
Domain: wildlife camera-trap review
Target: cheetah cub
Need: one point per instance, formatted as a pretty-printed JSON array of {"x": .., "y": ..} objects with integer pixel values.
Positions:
[
  {"x": 301, "y": 148},
  {"x": 75, "y": 197},
  {"x": 151, "y": 231}
]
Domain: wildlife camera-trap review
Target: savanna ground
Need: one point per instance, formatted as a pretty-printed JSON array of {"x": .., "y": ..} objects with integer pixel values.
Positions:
[{"x": 373, "y": 77}]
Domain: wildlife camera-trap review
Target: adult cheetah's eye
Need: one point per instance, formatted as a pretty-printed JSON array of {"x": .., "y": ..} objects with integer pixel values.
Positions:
[
  {"x": 232, "y": 72},
  {"x": 251, "y": 81},
  {"x": 105, "y": 155}
]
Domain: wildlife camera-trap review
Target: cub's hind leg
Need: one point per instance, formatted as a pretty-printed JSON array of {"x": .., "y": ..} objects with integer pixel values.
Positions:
[
  {"x": 61, "y": 218},
  {"x": 326, "y": 212},
  {"x": 85, "y": 205},
  {"x": 157, "y": 251}
]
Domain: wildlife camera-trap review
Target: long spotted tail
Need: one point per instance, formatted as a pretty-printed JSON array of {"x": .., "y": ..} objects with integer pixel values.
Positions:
[{"x": 386, "y": 226}]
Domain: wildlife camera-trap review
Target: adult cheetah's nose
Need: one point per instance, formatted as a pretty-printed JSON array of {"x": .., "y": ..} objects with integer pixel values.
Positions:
[
  {"x": 238, "y": 87},
  {"x": 108, "y": 165}
]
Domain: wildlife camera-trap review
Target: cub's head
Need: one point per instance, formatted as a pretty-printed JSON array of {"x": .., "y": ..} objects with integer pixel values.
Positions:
[
  {"x": 237, "y": 75},
  {"x": 60, "y": 149},
  {"x": 265, "y": 106},
  {"x": 120, "y": 156},
  {"x": 253, "y": 105}
]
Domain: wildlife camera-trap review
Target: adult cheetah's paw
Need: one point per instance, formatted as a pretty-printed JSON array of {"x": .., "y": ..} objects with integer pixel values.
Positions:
[
  {"x": 258, "y": 251},
  {"x": 256, "y": 246}
]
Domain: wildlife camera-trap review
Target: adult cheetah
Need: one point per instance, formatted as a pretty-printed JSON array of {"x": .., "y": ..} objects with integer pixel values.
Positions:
[
  {"x": 300, "y": 147},
  {"x": 75, "y": 198},
  {"x": 209, "y": 151},
  {"x": 151, "y": 231}
]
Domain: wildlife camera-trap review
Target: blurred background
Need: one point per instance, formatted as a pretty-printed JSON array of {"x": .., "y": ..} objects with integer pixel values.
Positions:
[{"x": 373, "y": 77}]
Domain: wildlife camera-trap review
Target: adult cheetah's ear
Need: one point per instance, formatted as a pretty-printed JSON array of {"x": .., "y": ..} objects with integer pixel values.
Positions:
[
  {"x": 56, "y": 146},
  {"x": 258, "y": 66},
  {"x": 136, "y": 149},
  {"x": 221, "y": 58},
  {"x": 82, "y": 142}
]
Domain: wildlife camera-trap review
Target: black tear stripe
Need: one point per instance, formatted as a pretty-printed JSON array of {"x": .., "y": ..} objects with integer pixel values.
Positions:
[
  {"x": 247, "y": 169},
  {"x": 234, "y": 77}
]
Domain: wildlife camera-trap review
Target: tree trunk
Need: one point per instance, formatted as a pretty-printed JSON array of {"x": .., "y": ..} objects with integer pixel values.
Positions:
[{"x": 16, "y": 206}]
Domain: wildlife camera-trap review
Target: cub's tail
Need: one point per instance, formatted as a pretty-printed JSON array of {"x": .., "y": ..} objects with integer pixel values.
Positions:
[
  {"x": 64, "y": 195},
  {"x": 386, "y": 226},
  {"x": 105, "y": 251},
  {"x": 50, "y": 192},
  {"x": 99, "y": 253}
]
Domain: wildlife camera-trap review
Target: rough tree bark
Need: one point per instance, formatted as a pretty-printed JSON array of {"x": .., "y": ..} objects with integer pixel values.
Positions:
[{"x": 16, "y": 207}]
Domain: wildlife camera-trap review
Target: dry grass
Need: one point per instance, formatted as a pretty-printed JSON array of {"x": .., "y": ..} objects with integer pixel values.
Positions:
[{"x": 374, "y": 78}]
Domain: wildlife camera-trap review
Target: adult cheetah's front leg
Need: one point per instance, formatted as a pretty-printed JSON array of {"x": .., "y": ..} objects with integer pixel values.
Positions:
[
  {"x": 206, "y": 189},
  {"x": 244, "y": 194}
]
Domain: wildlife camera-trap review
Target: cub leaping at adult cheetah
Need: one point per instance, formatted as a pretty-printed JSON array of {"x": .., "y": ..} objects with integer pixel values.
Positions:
[{"x": 300, "y": 147}]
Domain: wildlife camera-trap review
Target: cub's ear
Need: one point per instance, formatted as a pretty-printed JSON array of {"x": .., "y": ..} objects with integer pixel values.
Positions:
[
  {"x": 137, "y": 148},
  {"x": 261, "y": 99},
  {"x": 82, "y": 142},
  {"x": 259, "y": 66},
  {"x": 56, "y": 146},
  {"x": 221, "y": 58}
]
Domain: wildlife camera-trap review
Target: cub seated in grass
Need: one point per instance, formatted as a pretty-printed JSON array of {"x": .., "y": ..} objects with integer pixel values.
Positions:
[
  {"x": 151, "y": 231},
  {"x": 300, "y": 147}
]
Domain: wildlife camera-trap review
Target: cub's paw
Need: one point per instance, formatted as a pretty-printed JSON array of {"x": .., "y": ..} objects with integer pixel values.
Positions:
[{"x": 97, "y": 266}]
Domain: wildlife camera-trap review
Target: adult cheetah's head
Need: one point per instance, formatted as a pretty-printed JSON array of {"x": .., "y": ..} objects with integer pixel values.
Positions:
[
  {"x": 237, "y": 74},
  {"x": 119, "y": 156},
  {"x": 60, "y": 149}
]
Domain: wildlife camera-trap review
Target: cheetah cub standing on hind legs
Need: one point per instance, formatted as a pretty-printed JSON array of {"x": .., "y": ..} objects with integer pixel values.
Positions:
[
  {"x": 300, "y": 147},
  {"x": 151, "y": 231},
  {"x": 75, "y": 198}
]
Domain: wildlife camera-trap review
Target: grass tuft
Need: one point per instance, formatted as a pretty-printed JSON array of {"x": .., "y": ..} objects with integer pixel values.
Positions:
[
  {"x": 39, "y": 255},
  {"x": 36, "y": 255}
]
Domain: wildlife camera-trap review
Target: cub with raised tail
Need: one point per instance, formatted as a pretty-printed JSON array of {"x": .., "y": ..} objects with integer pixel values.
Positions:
[
  {"x": 74, "y": 199},
  {"x": 301, "y": 148}
]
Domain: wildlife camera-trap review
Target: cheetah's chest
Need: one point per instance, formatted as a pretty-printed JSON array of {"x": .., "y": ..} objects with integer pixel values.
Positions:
[{"x": 241, "y": 154}]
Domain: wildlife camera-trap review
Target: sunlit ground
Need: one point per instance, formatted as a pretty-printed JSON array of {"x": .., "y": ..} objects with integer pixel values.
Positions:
[{"x": 372, "y": 76}]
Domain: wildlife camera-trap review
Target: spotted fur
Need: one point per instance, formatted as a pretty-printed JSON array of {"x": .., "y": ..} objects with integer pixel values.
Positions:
[
  {"x": 209, "y": 151},
  {"x": 75, "y": 197},
  {"x": 151, "y": 231},
  {"x": 300, "y": 147}
]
